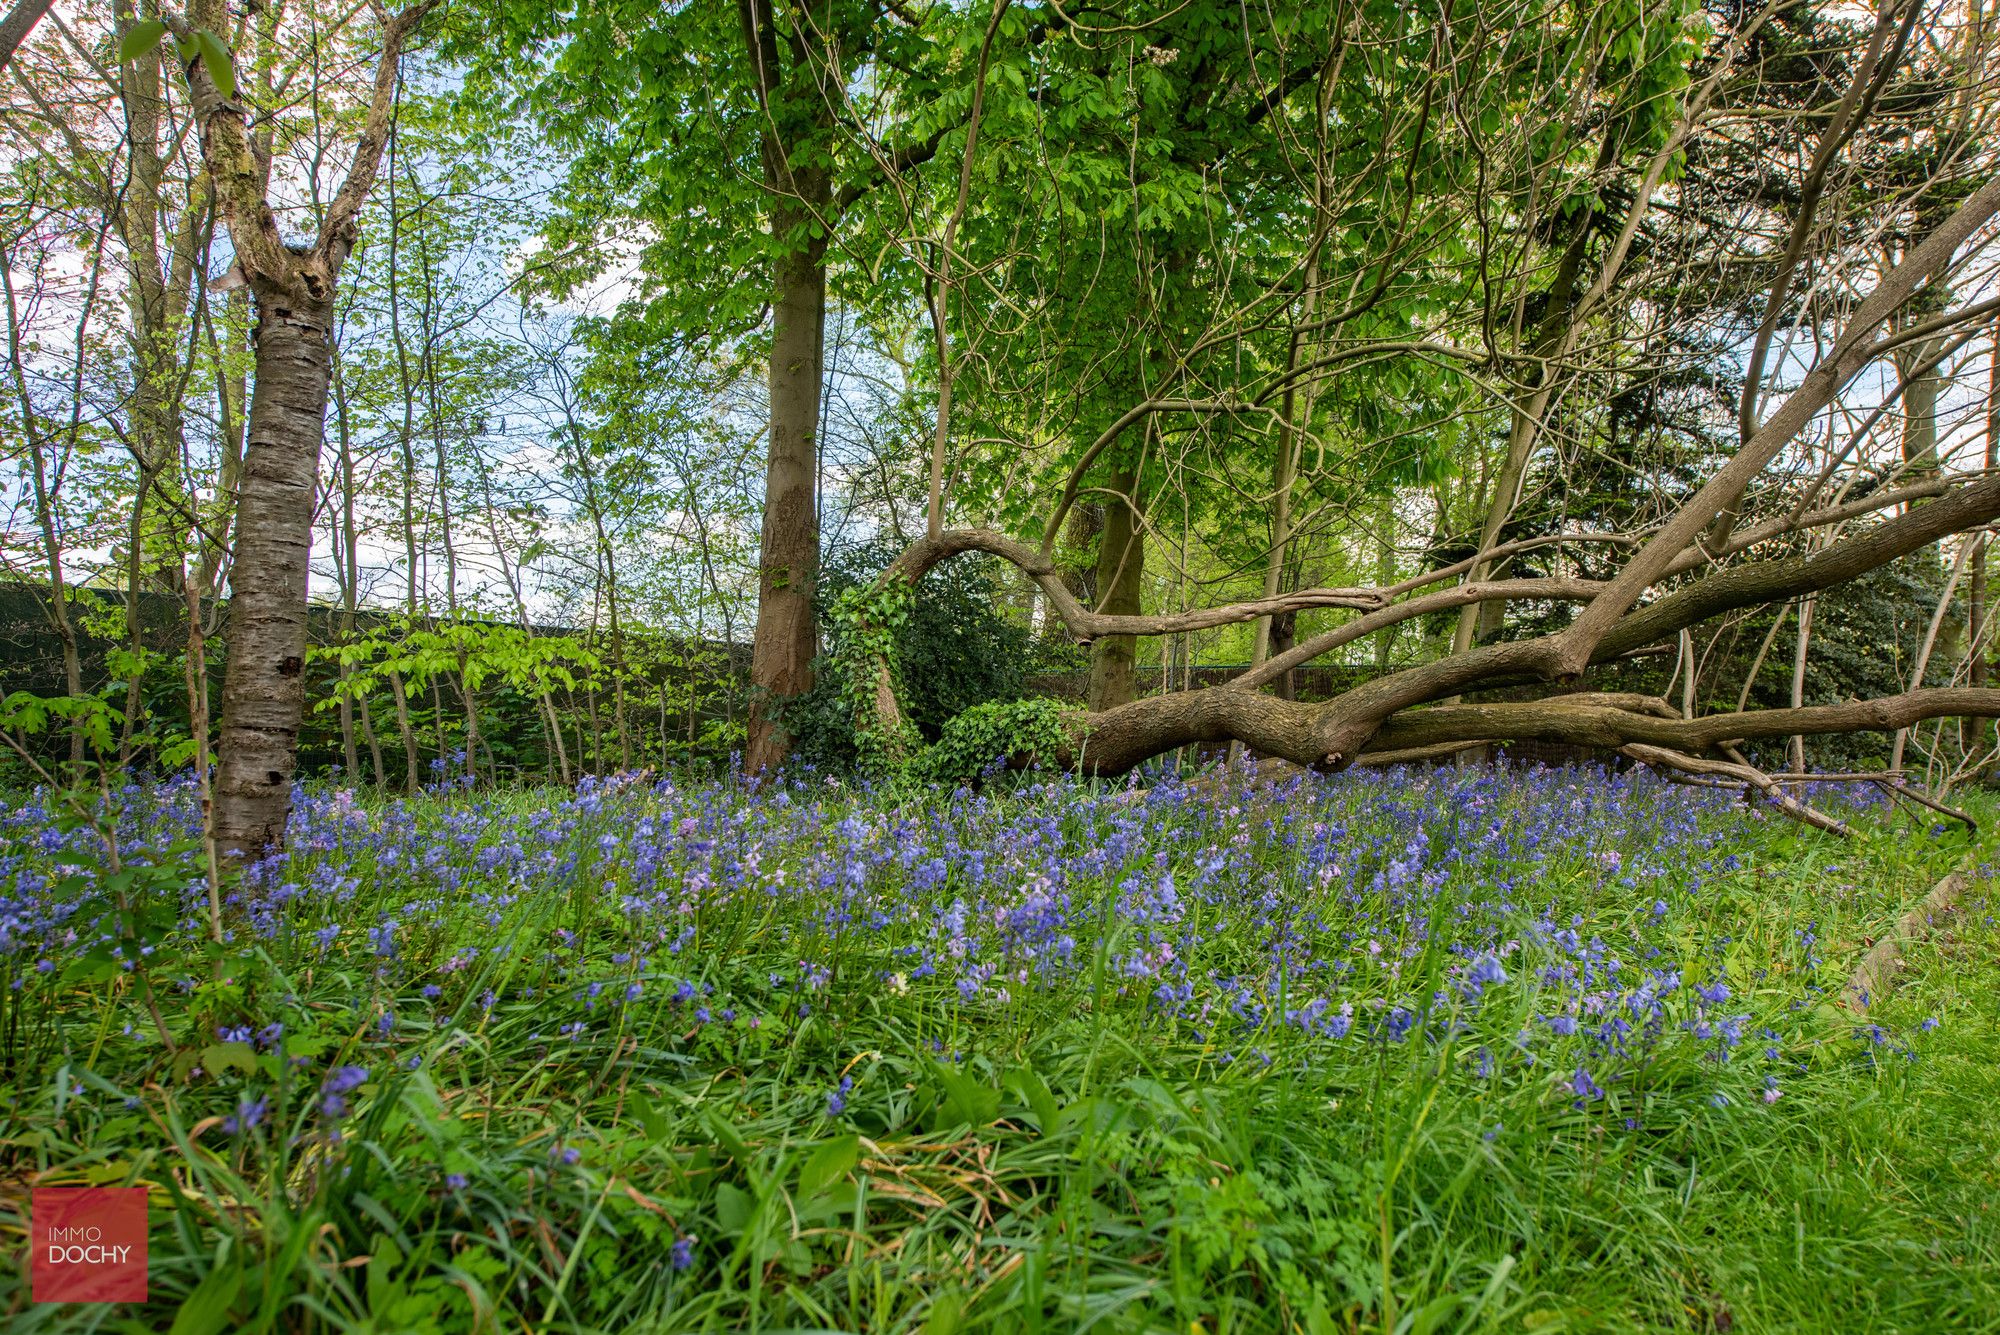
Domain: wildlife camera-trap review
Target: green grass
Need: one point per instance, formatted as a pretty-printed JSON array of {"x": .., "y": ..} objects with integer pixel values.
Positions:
[{"x": 1063, "y": 1157}]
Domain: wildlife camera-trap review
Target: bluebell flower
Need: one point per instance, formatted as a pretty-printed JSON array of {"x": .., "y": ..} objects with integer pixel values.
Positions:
[{"x": 249, "y": 1114}]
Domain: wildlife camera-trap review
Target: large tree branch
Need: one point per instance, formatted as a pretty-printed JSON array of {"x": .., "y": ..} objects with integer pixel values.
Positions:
[
  {"x": 1771, "y": 581},
  {"x": 1595, "y": 724},
  {"x": 1662, "y": 758},
  {"x": 1581, "y": 590},
  {"x": 1336, "y": 730},
  {"x": 229, "y": 153},
  {"x": 1973, "y": 503},
  {"x": 1085, "y": 625},
  {"x": 20, "y": 21},
  {"x": 1569, "y": 651}
]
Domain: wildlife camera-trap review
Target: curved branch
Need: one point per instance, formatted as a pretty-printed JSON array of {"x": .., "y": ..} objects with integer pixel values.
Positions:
[
  {"x": 1135, "y": 413},
  {"x": 1085, "y": 625},
  {"x": 1459, "y": 595}
]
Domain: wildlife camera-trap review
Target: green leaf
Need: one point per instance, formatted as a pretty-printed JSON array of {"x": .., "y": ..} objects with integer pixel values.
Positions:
[
  {"x": 966, "y": 1101},
  {"x": 93, "y": 967},
  {"x": 728, "y": 1137},
  {"x": 219, "y": 1057},
  {"x": 215, "y": 56},
  {"x": 733, "y": 1207},
  {"x": 649, "y": 1118},
  {"x": 946, "y": 1309},
  {"x": 139, "y": 39},
  {"x": 1034, "y": 1091},
  {"x": 829, "y": 1164},
  {"x": 206, "y": 1310}
]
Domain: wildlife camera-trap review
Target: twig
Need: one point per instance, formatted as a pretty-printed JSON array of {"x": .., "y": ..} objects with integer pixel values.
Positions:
[{"x": 1661, "y": 757}]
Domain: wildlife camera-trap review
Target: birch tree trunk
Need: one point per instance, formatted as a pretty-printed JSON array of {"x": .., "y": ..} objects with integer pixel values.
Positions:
[
  {"x": 263, "y": 687},
  {"x": 292, "y": 292}
]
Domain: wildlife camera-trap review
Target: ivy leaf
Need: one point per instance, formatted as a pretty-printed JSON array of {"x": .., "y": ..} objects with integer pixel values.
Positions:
[{"x": 139, "y": 39}]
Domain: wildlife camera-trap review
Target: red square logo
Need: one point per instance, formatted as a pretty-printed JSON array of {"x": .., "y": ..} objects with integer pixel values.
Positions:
[{"x": 89, "y": 1244}]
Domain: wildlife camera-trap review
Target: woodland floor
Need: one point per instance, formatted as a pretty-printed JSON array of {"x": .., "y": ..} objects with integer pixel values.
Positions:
[{"x": 1403, "y": 1051}]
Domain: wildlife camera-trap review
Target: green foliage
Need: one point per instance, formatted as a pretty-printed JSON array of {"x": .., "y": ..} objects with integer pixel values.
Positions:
[
  {"x": 1065, "y": 1157},
  {"x": 865, "y": 624},
  {"x": 952, "y": 653},
  {"x": 1024, "y": 733},
  {"x": 142, "y": 37},
  {"x": 30, "y": 715},
  {"x": 479, "y": 653}
]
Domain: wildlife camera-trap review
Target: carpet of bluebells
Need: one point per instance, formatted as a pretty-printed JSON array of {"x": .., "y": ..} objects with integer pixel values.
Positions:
[{"x": 1401, "y": 1050}]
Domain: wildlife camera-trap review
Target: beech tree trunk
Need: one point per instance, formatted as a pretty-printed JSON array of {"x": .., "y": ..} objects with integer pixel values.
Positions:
[
  {"x": 1121, "y": 569},
  {"x": 263, "y": 686},
  {"x": 782, "y": 652},
  {"x": 790, "y": 60}
]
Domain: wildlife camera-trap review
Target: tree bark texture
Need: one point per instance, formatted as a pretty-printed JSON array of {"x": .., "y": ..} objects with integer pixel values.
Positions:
[
  {"x": 20, "y": 21},
  {"x": 786, "y": 639},
  {"x": 1121, "y": 571},
  {"x": 263, "y": 690}
]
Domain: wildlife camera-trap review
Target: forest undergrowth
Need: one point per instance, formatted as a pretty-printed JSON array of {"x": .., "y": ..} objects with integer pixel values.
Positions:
[{"x": 1409, "y": 1050}]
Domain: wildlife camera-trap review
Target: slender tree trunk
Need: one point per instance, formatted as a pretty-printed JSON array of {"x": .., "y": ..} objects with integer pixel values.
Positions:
[
  {"x": 46, "y": 519},
  {"x": 607, "y": 578},
  {"x": 135, "y": 627},
  {"x": 231, "y": 403},
  {"x": 350, "y": 757},
  {"x": 349, "y": 565},
  {"x": 374, "y": 742},
  {"x": 437, "y": 721},
  {"x": 263, "y": 687},
  {"x": 596, "y": 732},
  {"x": 1799, "y": 676},
  {"x": 475, "y": 741},
  {"x": 1385, "y": 575},
  {"x": 1929, "y": 641},
  {"x": 618, "y": 672},
  {"x": 510, "y": 572},
  {"x": 197, "y": 696},
  {"x": 1284, "y": 634},
  {"x": 412, "y": 777},
  {"x": 1979, "y": 652}
]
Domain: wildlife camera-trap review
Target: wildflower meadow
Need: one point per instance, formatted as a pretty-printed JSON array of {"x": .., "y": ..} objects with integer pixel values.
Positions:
[{"x": 1399, "y": 1050}]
